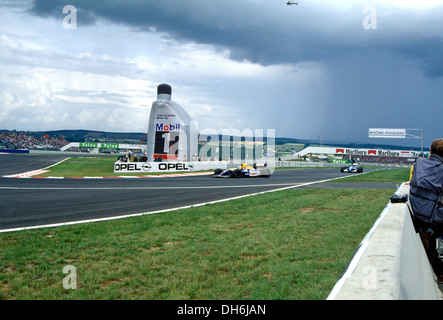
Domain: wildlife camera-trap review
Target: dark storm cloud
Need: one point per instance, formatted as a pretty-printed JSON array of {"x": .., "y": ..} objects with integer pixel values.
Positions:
[
  {"x": 242, "y": 27},
  {"x": 269, "y": 32},
  {"x": 369, "y": 78}
]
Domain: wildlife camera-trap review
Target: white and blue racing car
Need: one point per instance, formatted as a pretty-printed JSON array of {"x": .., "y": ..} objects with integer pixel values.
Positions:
[
  {"x": 243, "y": 171},
  {"x": 352, "y": 169}
]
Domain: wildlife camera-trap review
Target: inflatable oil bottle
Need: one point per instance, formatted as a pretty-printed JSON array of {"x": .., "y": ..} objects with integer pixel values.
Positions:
[{"x": 171, "y": 132}]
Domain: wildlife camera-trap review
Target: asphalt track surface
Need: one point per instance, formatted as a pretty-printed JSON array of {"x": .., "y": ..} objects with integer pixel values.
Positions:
[{"x": 27, "y": 202}]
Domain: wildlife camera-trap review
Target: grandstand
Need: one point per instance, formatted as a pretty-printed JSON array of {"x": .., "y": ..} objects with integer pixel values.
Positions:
[
  {"x": 106, "y": 143},
  {"x": 17, "y": 140},
  {"x": 362, "y": 156}
]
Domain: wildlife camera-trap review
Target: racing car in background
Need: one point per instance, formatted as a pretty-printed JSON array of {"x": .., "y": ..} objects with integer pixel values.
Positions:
[
  {"x": 243, "y": 171},
  {"x": 352, "y": 169}
]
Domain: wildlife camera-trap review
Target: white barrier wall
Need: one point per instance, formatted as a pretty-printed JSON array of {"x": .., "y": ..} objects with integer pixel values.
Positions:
[
  {"x": 281, "y": 164},
  {"x": 145, "y": 167},
  {"x": 170, "y": 167},
  {"x": 390, "y": 263}
]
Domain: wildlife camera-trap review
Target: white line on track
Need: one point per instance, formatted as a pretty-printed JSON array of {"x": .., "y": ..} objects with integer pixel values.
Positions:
[
  {"x": 148, "y": 188},
  {"x": 29, "y": 174},
  {"x": 164, "y": 210}
]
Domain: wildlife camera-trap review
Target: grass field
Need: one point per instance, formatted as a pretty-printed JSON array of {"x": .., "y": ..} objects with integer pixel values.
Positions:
[
  {"x": 89, "y": 167},
  {"x": 84, "y": 167},
  {"x": 291, "y": 244},
  {"x": 388, "y": 175}
]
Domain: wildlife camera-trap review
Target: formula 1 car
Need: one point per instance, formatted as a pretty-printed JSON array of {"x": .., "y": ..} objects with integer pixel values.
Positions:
[
  {"x": 243, "y": 171},
  {"x": 352, "y": 169}
]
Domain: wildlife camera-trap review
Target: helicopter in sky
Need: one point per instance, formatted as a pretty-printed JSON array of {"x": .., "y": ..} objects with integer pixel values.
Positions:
[{"x": 291, "y": 3}]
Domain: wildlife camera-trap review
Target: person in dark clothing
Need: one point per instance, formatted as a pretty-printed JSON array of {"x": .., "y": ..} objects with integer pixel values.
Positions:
[
  {"x": 425, "y": 197},
  {"x": 143, "y": 158}
]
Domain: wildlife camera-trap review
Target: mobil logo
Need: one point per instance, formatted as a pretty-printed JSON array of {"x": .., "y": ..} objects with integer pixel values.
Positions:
[{"x": 167, "y": 127}]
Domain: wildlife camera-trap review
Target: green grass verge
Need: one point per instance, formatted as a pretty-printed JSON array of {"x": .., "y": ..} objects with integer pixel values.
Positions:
[
  {"x": 97, "y": 167},
  {"x": 387, "y": 175},
  {"x": 83, "y": 167},
  {"x": 104, "y": 167},
  {"x": 291, "y": 244},
  {"x": 88, "y": 167}
]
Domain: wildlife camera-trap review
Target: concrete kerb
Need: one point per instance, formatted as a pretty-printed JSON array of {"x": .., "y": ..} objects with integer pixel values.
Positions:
[{"x": 390, "y": 263}]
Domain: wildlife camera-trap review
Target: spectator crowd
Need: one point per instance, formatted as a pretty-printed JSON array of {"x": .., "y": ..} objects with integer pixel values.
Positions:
[
  {"x": 21, "y": 140},
  {"x": 381, "y": 159}
]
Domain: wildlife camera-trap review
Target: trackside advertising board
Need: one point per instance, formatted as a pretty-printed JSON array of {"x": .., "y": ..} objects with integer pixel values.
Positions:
[
  {"x": 387, "y": 133},
  {"x": 145, "y": 167},
  {"x": 99, "y": 145},
  {"x": 360, "y": 152},
  {"x": 169, "y": 167}
]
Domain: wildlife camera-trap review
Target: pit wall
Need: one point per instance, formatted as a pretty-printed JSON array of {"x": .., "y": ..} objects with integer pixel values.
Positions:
[{"x": 390, "y": 263}]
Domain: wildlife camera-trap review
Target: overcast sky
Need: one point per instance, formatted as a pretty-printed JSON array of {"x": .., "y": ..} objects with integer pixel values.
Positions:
[{"x": 320, "y": 68}]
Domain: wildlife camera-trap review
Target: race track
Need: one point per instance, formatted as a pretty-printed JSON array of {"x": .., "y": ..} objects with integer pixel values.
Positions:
[{"x": 26, "y": 202}]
